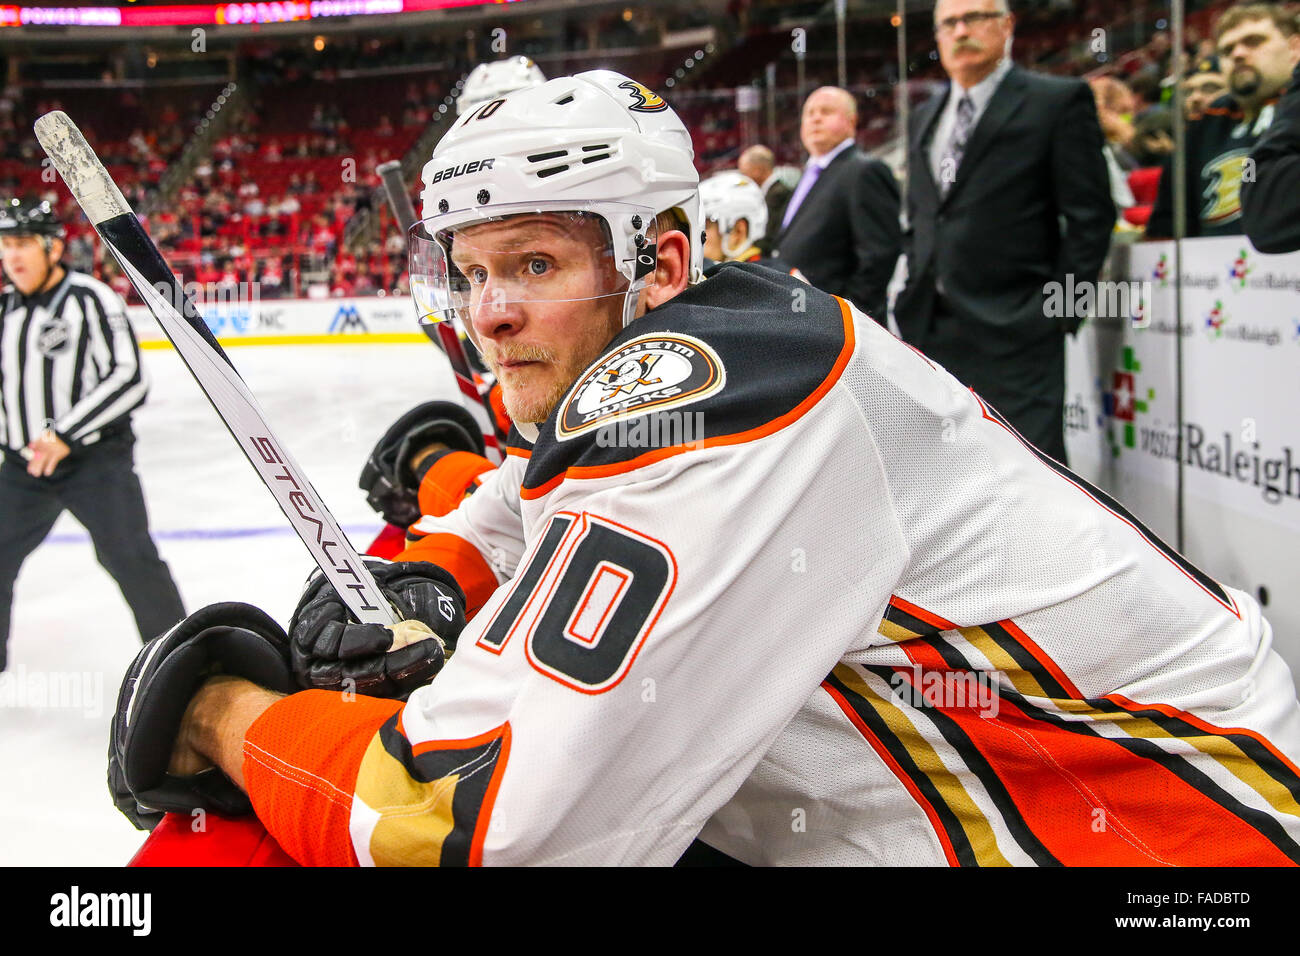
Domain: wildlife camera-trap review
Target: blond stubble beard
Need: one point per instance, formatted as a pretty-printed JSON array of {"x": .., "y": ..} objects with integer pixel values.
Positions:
[{"x": 537, "y": 410}]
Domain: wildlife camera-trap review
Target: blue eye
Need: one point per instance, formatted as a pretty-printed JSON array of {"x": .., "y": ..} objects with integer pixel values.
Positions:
[
  {"x": 476, "y": 275},
  {"x": 538, "y": 267}
]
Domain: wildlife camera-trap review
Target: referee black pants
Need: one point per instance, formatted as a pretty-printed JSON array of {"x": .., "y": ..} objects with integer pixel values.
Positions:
[{"x": 98, "y": 484}]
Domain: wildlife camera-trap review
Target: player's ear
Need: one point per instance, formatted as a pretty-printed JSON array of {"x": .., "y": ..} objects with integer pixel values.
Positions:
[
  {"x": 55, "y": 250},
  {"x": 673, "y": 271}
]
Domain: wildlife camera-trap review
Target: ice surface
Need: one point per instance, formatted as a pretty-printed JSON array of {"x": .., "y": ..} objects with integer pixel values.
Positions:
[{"x": 225, "y": 540}]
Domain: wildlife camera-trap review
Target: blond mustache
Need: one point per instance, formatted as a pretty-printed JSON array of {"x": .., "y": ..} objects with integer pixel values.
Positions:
[{"x": 519, "y": 353}]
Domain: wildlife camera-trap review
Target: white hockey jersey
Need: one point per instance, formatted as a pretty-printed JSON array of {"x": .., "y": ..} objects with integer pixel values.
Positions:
[{"x": 770, "y": 577}]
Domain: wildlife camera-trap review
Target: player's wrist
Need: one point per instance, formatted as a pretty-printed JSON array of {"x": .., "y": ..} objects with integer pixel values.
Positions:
[
  {"x": 218, "y": 719},
  {"x": 424, "y": 459}
]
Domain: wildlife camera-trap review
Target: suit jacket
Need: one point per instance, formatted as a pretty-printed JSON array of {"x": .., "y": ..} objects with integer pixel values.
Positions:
[
  {"x": 777, "y": 198},
  {"x": 1031, "y": 203},
  {"x": 845, "y": 236}
]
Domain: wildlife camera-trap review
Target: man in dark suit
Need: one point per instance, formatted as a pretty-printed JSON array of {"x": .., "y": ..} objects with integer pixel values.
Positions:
[
  {"x": 840, "y": 228},
  {"x": 1008, "y": 193},
  {"x": 758, "y": 164}
]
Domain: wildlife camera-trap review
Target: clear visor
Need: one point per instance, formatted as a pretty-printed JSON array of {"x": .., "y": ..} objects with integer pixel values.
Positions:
[{"x": 466, "y": 264}]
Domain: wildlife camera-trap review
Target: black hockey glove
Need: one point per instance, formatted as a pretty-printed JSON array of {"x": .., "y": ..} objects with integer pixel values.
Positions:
[
  {"x": 231, "y": 638},
  {"x": 330, "y": 651},
  {"x": 391, "y": 487}
]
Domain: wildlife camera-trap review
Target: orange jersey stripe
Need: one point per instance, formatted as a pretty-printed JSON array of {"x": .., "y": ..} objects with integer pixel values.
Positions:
[
  {"x": 445, "y": 485},
  {"x": 1092, "y": 800},
  {"x": 300, "y": 765}
]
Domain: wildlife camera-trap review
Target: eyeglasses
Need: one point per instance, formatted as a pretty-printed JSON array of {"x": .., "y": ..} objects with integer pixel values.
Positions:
[{"x": 948, "y": 24}]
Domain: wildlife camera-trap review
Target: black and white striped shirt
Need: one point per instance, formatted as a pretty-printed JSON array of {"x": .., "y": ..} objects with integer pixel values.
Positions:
[{"x": 68, "y": 360}]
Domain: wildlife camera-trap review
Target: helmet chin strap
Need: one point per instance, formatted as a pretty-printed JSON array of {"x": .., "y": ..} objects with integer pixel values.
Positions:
[
  {"x": 630, "y": 299},
  {"x": 647, "y": 261}
]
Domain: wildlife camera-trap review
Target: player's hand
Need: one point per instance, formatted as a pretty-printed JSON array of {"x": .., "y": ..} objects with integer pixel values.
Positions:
[
  {"x": 46, "y": 451},
  {"x": 389, "y": 478},
  {"x": 331, "y": 651},
  {"x": 153, "y": 763}
]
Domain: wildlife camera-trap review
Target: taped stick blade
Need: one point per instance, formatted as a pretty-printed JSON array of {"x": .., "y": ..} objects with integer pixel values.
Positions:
[{"x": 80, "y": 168}]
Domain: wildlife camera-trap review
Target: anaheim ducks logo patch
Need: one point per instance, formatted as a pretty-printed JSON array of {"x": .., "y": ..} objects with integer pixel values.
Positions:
[
  {"x": 651, "y": 373},
  {"x": 1223, "y": 191},
  {"x": 647, "y": 101}
]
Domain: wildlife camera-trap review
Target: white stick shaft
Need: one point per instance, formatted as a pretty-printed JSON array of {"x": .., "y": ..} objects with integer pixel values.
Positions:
[{"x": 131, "y": 246}]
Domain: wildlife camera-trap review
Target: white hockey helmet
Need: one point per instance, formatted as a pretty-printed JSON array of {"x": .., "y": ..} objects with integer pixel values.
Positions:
[
  {"x": 729, "y": 197},
  {"x": 491, "y": 81},
  {"x": 595, "y": 145}
]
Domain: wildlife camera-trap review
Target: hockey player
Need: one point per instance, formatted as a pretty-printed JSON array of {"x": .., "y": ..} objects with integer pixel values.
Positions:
[
  {"x": 431, "y": 456},
  {"x": 735, "y": 222},
  {"x": 491, "y": 81},
  {"x": 735, "y": 217},
  {"x": 855, "y": 595}
]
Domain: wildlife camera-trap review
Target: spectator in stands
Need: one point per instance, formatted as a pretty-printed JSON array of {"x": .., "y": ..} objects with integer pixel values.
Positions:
[
  {"x": 1204, "y": 84},
  {"x": 1153, "y": 138},
  {"x": 270, "y": 281},
  {"x": 364, "y": 284},
  {"x": 1008, "y": 192},
  {"x": 1146, "y": 92},
  {"x": 840, "y": 227},
  {"x": 1271, "y": 201},
  {"x": 759, "y": 164},
  {"x": 1259, "y": 47},
  {"x": 1114, "y": 103}
]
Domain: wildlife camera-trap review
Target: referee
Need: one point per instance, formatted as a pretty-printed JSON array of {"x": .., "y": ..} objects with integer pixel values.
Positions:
[{"x": 70, "y": 376}]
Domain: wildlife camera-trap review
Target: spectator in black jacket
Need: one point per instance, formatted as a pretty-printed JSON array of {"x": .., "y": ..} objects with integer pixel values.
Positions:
[
  {"x": 1259, "y": 47},
  {"x": 1270, "y": 204}
]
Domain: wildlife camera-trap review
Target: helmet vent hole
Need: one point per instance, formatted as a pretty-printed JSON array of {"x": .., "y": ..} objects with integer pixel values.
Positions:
[
  {"x": 592, "y": 149},
  {"x": 595, "y": 159},
  {"x": 542, "y": 174},
  {"x": 542, "y": 157},
  {"x": 564, "y": 100}
]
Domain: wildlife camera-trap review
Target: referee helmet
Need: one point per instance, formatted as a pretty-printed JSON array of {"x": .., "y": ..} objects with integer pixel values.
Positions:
[{"x": 19, "y": 218}]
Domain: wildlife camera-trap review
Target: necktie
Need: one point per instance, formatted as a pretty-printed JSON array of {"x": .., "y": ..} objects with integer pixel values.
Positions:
[
  {"x": 810, "y": 174},
  {"x": 957, "y": 145}
]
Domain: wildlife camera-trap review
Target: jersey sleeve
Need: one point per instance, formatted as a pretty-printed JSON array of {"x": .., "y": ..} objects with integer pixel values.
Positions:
[
  {"x": 450, "y": 479},
  {"x": 480, "y": 540}
]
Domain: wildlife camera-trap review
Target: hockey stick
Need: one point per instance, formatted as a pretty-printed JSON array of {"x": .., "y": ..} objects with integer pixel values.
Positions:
[
  {"x": 399, "y": 201},
  {"x": 161, "y": 291}
]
